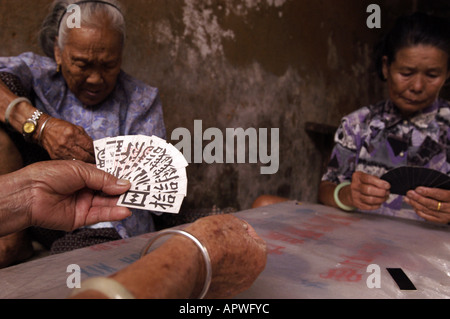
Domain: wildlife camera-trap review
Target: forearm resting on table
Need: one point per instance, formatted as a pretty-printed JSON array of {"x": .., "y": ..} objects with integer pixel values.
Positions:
[
  {"x": 326, "y": 194},
  {"x": 175, "y": 270}
]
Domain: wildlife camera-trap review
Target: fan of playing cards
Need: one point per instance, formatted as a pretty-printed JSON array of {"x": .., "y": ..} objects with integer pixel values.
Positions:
[
  {"x": 404, "y": 178},
  {"x": 155, "y": 168}
]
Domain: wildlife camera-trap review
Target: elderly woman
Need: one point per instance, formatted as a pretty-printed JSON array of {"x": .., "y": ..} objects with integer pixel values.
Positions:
[
  {"x": 77, "y": 94},
  {"x": 411, "y": 127}
]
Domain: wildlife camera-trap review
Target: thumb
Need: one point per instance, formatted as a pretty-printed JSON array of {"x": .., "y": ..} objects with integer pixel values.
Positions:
[
  {"x": 115, "y": 186},
  {"x": 97, "y": 179}
]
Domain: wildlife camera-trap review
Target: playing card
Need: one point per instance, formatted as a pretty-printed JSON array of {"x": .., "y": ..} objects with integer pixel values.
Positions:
[
  {"x": 397, "y": 182},
  {"x": 427, "y": 177},
  {"x": 441, "y": 181},
  {"x": 155, "y": 168},
  {"x": 405, "y": 178},
  {"x": 99, "y": 149},
  {"x": 167, "y": 203}
]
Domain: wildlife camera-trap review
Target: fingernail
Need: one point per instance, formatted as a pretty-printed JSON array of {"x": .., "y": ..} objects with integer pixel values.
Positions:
[{"x": 123, "y": 182}]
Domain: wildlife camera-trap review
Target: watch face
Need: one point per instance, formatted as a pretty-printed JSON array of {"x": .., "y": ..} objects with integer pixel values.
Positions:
[{"x": 29, "y": 127}]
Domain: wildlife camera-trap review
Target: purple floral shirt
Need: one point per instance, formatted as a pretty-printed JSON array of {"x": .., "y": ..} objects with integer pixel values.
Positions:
[
  {"x": 132, "y": 108},
  {"x": 377, "y": 138}
]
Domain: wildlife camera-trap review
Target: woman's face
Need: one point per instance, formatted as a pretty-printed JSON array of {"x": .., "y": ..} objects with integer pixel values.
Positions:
[
  {"x": 416, "y": 77},
  {"x": 90, "y": 63}
]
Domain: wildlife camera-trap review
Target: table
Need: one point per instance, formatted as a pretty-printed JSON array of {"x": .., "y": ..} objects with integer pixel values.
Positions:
[{"x": 313, "y": 252}]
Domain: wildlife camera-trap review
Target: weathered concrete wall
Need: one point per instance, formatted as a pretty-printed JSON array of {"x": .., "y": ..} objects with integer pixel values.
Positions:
[
  {"x": 262, "y": 64},
  {"x": 243, "y": 64}
]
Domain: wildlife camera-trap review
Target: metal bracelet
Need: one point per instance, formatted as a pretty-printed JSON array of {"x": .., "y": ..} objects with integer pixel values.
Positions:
[{"x": 202, "y": 248}]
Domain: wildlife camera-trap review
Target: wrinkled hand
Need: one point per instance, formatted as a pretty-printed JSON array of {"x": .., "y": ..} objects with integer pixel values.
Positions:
[
  {"x": 67, "y": 141},
  {"x": 368, "y": 192},
  {"x": 425, "y": 202},
  {"x": 237, "y": 254},
  {"x": 66, "y": 195}
]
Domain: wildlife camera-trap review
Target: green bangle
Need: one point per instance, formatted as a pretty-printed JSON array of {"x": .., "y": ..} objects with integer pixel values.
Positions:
[{"x": 338, "y": 201}]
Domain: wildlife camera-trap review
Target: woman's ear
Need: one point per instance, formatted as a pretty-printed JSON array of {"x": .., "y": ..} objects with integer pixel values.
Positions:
[
  {"x": 57, "y": 53},
  {"x": 385, "y": 67}
]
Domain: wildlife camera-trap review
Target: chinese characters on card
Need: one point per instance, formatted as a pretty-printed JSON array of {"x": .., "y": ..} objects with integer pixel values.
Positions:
[{"x": 155, "y": 168}]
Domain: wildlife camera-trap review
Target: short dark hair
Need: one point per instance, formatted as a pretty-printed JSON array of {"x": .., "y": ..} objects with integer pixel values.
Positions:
[{"x": 412, "y": 30}]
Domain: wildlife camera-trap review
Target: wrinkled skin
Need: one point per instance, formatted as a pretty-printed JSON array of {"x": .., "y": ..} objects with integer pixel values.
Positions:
[{"x": 237, "y": 254}]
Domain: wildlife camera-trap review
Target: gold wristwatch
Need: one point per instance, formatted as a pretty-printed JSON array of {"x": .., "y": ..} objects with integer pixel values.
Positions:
[{"x": 30, "y": 125}]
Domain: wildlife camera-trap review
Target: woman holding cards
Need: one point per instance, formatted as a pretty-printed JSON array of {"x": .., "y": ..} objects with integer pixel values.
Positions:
[
  {"x": 410, "y": 128},
  {"x": 75, "y": 95}
]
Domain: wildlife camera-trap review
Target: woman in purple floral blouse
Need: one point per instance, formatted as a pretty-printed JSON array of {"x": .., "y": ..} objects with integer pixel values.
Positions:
[{"x": 410, "y": 128}]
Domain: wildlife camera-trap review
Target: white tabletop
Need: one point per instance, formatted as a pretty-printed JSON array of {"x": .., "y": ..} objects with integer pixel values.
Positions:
[{"x": 314, "y": 252}]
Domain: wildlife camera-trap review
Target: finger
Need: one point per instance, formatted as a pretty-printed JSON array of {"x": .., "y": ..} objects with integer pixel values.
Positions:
[
  {"x": 370, "y": 186},
  {"x": 106, "y": 213},
  {"x": 428, "y": 209},
  {"x": 84, "y": 156},
  {"x": 104, "y": 200},
  {"x": 379, "y": 183},
  {"x": 374, "y": 180},
  {"x": 423, "y": 203},
  {"x": 90, "y": 159},
  {"x": 78, "y": 153},
  {"x": 99, "y": 180},
  {"x": 433, "y": 193},
  {"x": 371, "y": 196},
  {"x": 367, "y": 202},
  {"x": 374, "y": 192}
]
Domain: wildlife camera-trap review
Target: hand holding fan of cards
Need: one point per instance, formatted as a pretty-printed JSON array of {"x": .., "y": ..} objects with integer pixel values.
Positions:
[
  {"x": 155, "y": 168},
  {"x": 405, "y": 178}
]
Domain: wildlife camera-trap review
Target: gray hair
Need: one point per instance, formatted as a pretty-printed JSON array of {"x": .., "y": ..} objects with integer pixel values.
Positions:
[{"x": 55, "y": 26}]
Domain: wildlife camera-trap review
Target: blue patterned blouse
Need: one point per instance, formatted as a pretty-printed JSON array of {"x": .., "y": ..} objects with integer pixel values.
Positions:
[
  {"x": 133, "y": 108},
  {"x": 376, "y": 138}
]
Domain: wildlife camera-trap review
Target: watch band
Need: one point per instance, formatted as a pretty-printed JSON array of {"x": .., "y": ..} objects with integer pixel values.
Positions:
[
  {"x": 36, "y": 115},
  {"x": 30, "y": 125}
]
